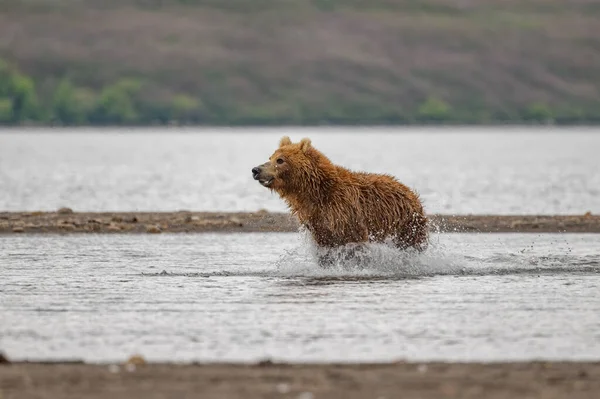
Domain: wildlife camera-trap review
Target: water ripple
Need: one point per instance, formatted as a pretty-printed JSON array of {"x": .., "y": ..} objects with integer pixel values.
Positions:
[{"x": 243, "y": 297}]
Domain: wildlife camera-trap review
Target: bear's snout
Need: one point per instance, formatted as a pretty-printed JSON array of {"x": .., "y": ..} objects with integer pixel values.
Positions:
[
  {"x": 255, "y": 172},
  {"x": 263, "y": 174}
]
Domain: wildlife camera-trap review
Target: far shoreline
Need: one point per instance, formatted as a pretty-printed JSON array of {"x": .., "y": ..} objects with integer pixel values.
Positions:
[{"x": 66, "y": 221}]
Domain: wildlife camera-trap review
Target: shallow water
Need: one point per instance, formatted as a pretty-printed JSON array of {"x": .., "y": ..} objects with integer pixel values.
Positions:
[
  {"x": 243, "y": 297},
  {"x": 456, "y": 170}
]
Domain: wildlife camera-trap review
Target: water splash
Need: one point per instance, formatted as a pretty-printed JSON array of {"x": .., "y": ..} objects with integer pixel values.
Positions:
[
  {"x": 371, "y": 260},
  {"x": 448, "y": 255}
]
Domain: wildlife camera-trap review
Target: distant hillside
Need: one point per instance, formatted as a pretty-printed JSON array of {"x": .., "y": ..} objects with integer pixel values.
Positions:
[{"x": 299, "y": 61}]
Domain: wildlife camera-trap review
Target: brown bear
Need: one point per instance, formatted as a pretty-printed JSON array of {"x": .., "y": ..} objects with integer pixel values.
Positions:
[{"x": 338, "y": 206}]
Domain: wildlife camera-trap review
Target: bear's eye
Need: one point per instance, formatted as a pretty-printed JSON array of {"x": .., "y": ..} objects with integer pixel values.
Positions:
[{"x": 279, "y": 161}]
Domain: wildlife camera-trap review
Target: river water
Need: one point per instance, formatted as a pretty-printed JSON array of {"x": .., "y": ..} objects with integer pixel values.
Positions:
[
  {"x": 456, "y": 170},
  {"x": 246, "y": 297}
]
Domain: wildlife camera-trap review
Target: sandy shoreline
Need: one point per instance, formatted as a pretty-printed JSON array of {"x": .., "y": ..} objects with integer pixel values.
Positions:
[
  {"x": 66, "y": 221},
  {"x": 304, "y": 381}
]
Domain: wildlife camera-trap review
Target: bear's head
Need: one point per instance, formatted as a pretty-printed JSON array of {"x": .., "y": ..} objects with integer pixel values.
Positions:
[{"x": 293, "y": 167}]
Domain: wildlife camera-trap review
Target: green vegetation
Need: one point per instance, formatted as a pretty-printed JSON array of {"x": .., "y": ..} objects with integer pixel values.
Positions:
[
  {"x": 18, "y": 98},
  {"x": 434, "y": 110},
  {"x": 296, "y": 62},
  {"x": 121, "y": 104}
]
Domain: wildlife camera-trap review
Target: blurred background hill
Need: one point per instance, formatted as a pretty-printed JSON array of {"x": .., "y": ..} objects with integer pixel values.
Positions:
[{"x": 298, "y": 62}]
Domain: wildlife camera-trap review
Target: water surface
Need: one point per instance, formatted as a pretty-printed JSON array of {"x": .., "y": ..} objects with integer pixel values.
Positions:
[
  {"x": 245, "y": 297},
  {"x": 456, "y": 170}
]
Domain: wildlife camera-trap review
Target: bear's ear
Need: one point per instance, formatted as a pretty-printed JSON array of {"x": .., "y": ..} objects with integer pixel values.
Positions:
[
  {"x": 304, "y": 144},
  {"x": 285, "y": 140}
]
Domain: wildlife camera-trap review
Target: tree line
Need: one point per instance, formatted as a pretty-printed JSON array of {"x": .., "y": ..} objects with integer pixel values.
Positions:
[{"x": 123, "y": 103}]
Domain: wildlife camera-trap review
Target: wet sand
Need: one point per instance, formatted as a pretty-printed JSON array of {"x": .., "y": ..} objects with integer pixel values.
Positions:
[
  {"x": 397, "y": 380},
  {"x": 66, "y": 221}
]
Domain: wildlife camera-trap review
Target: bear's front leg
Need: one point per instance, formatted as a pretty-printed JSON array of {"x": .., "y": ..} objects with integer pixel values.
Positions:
[
  {"x": 346, "y": 255},
  {"x": 338, "y": 245},
  {"x": 326, "y": 258}
]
